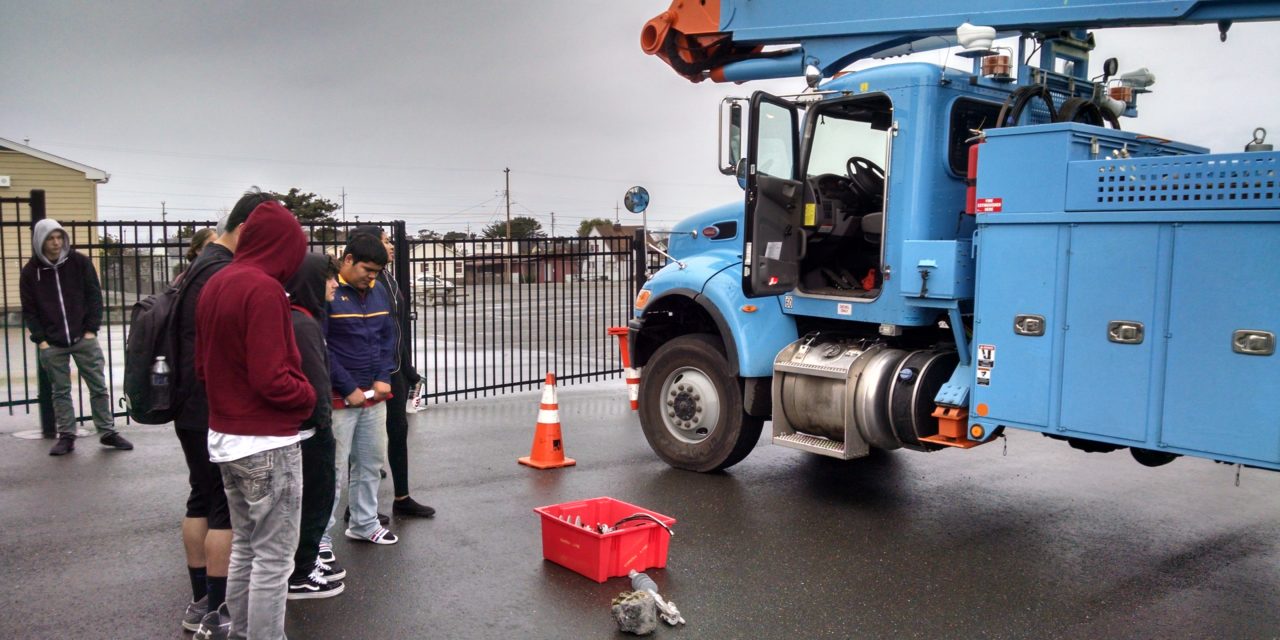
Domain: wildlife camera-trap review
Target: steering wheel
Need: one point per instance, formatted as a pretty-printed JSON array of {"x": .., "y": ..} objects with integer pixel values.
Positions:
[{"x": 867, "y": 179}]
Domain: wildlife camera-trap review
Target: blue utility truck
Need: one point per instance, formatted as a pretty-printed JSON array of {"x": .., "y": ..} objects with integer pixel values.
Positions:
[{"x": 926, "y": 257}]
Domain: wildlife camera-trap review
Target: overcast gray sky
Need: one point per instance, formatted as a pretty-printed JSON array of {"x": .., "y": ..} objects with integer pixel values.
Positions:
[{"x": 415, "y": 108}]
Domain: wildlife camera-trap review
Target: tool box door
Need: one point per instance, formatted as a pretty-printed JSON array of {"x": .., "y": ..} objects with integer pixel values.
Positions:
[
  {"x": 1112, "y": 329},
  {"x": 1220, "y": 396},
  {"x": 773, "y": 241},
  {"x": 1018, "y": 267}
]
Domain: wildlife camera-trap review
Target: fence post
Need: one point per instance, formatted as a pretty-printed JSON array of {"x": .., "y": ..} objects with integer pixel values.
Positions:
[
  {"x": 44, "y": 390},
  {"x": 404, "y": 276},
  {"x": 642, "y": 269}
]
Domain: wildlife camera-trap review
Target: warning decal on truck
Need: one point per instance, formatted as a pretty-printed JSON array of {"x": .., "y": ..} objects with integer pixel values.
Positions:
[
  {"x": 986, "y": 355},
  {"x": 989, "y": 205},
  {"x": 984, "y": 376}
]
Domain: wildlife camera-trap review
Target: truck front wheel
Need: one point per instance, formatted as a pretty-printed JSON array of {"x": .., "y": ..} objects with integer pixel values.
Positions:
[{"x": 691, "y": 408}]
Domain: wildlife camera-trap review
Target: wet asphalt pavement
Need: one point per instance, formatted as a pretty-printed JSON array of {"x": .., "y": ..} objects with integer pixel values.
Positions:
[{"x": 1044, "y": 542}]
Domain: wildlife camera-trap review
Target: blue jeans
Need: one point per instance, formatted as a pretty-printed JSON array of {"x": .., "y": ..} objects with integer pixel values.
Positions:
[
  {"x": 360, "y": 435},
  {"x": 264, "y": 496}
]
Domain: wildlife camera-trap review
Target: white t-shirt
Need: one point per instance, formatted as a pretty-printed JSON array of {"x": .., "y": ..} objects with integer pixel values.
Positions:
[{"x": 225, "y": 447}]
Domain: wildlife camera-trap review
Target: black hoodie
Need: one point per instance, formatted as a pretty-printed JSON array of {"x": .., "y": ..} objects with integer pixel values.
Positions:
[
  {"x": 307, "y": 300},
  {"x": 61, "y": 300}
]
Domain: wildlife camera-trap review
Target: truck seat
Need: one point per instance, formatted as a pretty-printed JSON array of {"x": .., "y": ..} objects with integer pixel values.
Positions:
[{"x": 872, "y": 225}]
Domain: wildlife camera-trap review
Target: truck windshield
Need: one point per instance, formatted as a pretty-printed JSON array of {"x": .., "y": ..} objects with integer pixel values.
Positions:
[{"x": 836, "y": 139}]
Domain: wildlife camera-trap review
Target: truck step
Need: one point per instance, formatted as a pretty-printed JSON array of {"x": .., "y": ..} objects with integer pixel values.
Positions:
[{"x": 815, "y": 444}]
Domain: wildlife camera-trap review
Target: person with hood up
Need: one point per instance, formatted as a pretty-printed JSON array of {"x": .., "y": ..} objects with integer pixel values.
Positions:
[
  {"x": 206, "y": 529},
  {"x": 310, "y": 291},
  {"x": 62, "y": 307},
  {"x": 247, "y": 358}
]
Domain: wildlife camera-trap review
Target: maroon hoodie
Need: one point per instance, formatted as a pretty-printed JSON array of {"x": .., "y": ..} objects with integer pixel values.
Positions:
[{"x": 245, "y": 350}]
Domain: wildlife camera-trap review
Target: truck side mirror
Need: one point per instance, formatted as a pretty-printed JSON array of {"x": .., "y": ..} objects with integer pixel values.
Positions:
[
  {"x": 733, "y": 139},
  {"x": 1109, "y": 68},
  {"x": 742, "y": 173}
]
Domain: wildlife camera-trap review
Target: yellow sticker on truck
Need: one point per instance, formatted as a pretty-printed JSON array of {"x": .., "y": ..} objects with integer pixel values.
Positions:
[{"x": 810, "y": 214}]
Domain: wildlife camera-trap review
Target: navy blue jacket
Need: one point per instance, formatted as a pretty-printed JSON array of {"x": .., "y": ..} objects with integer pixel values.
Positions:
[{"x": 362, "y": 338}]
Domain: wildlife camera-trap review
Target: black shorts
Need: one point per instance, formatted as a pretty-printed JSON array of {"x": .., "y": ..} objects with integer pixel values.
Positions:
[{"x": 207, "y": 499}]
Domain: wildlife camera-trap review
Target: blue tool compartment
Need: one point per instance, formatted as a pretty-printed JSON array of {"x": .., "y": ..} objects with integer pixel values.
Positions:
[
  {"x": 1147, "y": 293},
  {"x": 948, "y": 263},
  {"x": 1024, "y": 168}
]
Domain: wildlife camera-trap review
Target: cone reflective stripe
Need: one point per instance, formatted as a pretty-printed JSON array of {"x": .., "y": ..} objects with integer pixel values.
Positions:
[
  {"x": 547, "y": 451},
  {"x": 633, "y": 387}
]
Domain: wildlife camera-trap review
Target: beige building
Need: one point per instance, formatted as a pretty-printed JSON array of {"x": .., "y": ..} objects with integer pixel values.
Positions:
[{"x": 71, "y": 194}]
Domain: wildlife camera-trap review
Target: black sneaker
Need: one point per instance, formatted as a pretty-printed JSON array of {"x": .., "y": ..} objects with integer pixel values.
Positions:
[
  {"x": 216, "y": 625},
  {"x": 116, "y": 441},
  {"x": 314, "y": 587},
  {"x": 383, "y": 519},
  {"x": 407, "y": 506},
  {"x": 330, "y": 570},
  {"x": 64, "y": 445}
]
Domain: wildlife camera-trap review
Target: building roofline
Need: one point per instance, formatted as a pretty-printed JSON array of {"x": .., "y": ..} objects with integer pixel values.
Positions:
[{"x": 96, "y": 175}]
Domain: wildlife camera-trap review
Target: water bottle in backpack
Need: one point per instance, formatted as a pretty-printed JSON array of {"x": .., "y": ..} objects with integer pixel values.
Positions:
[{"x": 160, "y": 380}]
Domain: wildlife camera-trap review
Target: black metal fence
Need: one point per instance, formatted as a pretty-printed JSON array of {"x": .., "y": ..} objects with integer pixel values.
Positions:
[
  {"x": 497, "y": 315},
  {"x": 487, "y": 316}
]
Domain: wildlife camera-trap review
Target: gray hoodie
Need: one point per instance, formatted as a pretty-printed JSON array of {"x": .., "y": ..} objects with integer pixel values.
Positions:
[{"x": 41, "y": 233}]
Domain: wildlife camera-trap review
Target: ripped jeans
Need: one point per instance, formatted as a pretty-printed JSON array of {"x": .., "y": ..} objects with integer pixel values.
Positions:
[{"x": 264, "y": 496}]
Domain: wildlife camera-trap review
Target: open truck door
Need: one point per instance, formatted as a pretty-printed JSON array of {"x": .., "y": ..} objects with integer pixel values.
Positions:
[{"x": 773, "y": 242}]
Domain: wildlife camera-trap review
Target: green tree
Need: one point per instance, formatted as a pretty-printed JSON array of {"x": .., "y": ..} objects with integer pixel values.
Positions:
[
  {"x": 454, "y": 236},
  {"x": 315, "y": 214},
  {"x": 585, "y": 227},
  {"x": 521, "y": 227},
  {"x": 307, "y": 207},
  {"x": 427, "y": 234}
]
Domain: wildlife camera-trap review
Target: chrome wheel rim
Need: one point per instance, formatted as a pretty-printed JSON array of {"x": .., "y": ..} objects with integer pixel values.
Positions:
[{"x": 690, "y": 405}]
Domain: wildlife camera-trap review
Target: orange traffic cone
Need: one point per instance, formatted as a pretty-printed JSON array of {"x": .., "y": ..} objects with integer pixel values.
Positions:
[
  {"x": 548, "y": 449},
  {"x": 632, "y": 375}
]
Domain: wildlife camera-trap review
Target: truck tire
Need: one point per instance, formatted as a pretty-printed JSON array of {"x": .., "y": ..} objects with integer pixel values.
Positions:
[{"x": 691, "y": 408}]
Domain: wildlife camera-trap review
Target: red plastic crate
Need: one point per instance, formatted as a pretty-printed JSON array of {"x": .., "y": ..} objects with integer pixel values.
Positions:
[{"x": 638, "y": 545}]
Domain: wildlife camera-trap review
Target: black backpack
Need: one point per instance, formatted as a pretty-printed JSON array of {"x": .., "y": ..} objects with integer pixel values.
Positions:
[{"x": 153, "y": 332}]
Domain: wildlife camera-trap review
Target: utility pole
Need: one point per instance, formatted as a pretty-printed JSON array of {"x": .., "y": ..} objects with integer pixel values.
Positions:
[
  {"x": 616, "y": 219},
  {"x": 507, "y": 192},
  {"x": 553, "y": 224},
  {"x": 162, "y": 212},
  {"x": 507, "y": 250},
  {"x": 344, "y": 204}
]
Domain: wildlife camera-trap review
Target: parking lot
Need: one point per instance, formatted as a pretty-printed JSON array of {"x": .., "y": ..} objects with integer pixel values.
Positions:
[{"x": 1041, "y": 542}]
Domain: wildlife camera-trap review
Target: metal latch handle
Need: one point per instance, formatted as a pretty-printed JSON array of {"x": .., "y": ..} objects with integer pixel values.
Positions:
[
  {"x": 1125, "y": 332},
  {"x": 1028, "y": 325},
  {"x": 1252, "y": 342}
]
